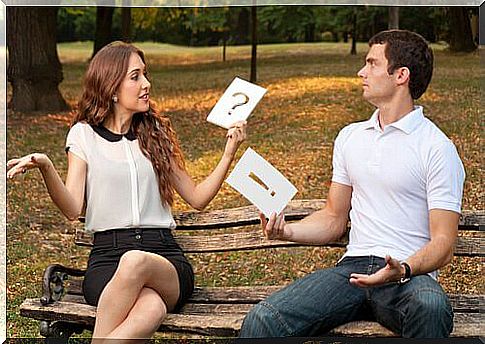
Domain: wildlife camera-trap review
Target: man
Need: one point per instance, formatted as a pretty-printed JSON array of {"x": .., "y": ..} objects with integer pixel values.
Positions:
[{"x": 402, "y": 181}]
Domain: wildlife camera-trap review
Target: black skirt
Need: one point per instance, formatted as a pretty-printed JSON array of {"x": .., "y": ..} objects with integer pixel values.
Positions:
[{"x": 110, "y": 245}]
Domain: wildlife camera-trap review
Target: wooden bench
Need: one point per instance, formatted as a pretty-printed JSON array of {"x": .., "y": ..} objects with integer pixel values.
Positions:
[{"x": 219, "y": 311}]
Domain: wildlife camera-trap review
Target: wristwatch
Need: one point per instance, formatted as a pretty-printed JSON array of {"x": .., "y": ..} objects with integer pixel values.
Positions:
[{"x": 407, "y": 273}]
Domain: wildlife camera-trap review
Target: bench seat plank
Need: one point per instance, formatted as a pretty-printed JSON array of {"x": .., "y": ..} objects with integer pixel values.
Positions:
[
  {"x": 221, "y": 322},
  {"x": 254, "y": 294}
]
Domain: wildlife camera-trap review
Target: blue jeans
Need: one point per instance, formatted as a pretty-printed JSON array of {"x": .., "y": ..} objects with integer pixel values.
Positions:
[{"x": 325, "y": 299}]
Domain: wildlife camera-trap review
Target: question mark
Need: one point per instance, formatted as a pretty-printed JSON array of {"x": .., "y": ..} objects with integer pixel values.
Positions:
[{"x": 246, "y": 99}]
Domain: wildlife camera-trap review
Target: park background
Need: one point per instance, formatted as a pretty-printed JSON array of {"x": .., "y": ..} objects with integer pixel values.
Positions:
[{"x": 306, "y": 56}]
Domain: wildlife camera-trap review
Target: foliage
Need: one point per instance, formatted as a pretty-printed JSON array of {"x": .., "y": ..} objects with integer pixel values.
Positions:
[{"x": 207, "y": 26}]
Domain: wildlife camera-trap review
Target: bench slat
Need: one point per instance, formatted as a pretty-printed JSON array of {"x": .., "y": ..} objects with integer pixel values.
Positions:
[
  {"x": 465, "y": 246},
  {"x": 190, "y": 308},
  {"x": 295, "y": 210},
  {"x": 249, "y": 215},
  {"x": 253, "y": 294},
  {"x": 213, "y": 325},
  {"x": 226, "y": 324}
]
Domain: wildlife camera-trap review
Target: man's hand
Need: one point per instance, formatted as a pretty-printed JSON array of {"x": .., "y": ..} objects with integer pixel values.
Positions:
[
  {"x": 392, "y": 272},
  {"x": 275, "y": 227}
]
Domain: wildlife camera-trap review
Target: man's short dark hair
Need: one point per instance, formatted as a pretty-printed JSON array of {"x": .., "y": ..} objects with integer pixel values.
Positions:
[{"x": 408, "y": 49}]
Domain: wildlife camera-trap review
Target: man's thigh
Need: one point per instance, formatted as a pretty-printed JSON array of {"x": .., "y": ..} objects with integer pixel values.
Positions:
[
  {"x": 317, "y": 302},
  {"x": 415, "y": 309}
]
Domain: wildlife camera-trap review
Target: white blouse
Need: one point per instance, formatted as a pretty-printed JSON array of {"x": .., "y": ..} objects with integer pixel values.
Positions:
[{"x": 121, "y": 186}]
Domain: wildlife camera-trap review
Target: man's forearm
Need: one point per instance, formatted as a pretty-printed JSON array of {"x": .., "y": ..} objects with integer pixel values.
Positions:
[
  {"x": 434, "y": 255},
  {"x": 439, "y": 250},
  {"x": 318, "y": 228}
]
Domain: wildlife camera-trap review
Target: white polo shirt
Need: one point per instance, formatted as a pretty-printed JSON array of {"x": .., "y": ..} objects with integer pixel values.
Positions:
[
  {"x": 397, "y": 175},
  {"x": 121, "y": 185}
]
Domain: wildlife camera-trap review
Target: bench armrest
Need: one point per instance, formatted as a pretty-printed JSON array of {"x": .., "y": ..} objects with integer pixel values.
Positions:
[{"x": 53, "y": 282}]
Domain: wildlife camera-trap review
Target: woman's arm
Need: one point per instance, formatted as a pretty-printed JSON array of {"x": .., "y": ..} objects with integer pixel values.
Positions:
[
  {"x": 198, "y": 196},
  {"x": 67, "y": 197}
]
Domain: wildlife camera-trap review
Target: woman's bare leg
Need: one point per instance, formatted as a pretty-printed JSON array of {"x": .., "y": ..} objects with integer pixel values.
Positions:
[
  {"x": 136, "y": 272},
  {"x": 143, "y": 320}
]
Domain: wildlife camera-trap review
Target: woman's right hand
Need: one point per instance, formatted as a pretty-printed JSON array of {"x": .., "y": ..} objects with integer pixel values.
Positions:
[{"x": 25, "y": 163}]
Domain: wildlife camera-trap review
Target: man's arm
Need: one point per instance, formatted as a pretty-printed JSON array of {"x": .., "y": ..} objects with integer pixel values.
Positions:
[
  {"x": 319, "y": 227},
  {"x": 438, "y": 252}
]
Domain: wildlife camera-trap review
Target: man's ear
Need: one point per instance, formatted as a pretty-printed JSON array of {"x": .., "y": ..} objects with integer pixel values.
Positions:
[{"x": 402, "y": 75}]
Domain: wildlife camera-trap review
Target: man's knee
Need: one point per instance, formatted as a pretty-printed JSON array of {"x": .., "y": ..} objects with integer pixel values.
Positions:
[
  {"x": 431, "y": 302},
  {"x": 429, "y": 315},
  {"x": 263, "y": 321}
]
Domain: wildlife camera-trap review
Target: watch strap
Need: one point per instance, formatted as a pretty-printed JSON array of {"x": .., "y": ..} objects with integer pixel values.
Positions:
[{"x": 407, "y": 273}]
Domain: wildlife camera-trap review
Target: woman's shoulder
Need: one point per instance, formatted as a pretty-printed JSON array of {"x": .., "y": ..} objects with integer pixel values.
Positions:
[{"x": 80, "y": 128}]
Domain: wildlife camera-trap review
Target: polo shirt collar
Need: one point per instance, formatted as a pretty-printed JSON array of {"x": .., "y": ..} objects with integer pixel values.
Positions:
[
  {"x": 110, "y": 136},
  {"x": 373, "y": 122},
  {"x": 407, "y": 124}
]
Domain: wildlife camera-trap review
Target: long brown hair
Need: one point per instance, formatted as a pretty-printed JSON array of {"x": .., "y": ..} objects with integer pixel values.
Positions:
[{"x": 156, "y": 137}]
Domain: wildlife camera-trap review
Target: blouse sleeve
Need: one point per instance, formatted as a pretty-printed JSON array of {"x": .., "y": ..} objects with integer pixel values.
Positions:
[{"x": 76, "y": 141}]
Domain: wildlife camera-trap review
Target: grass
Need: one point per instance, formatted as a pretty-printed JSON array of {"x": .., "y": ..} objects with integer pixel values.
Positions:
[{"x": 313, "y": 92}]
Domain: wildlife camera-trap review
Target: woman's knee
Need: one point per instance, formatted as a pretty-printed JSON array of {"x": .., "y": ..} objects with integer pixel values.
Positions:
[{"x": 132, "y": 265}]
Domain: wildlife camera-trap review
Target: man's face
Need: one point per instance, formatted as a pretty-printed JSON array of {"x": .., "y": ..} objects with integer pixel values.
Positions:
[{"x": 378, "y": 86}]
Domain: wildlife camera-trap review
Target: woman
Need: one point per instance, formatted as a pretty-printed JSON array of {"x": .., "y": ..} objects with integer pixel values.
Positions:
[{"x": 124, "y": 164}]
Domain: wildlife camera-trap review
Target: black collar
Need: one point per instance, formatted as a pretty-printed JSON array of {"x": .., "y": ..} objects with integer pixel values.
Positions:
[{"x": 110, "y": 136}]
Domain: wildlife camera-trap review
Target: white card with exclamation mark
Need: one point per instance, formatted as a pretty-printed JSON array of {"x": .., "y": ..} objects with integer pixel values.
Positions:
[{"x": 261, "y": 183}]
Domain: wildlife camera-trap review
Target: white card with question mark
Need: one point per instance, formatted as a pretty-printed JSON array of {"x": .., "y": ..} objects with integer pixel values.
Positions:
[
  {"x": 236, "y": 104},
  {"x": 261, "y": 183}
]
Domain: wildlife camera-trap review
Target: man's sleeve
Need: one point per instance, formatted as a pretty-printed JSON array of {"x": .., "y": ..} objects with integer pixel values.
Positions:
[
  {"x": 340, "y": 174},
  {"x": 75, "y": 142},
  {"x": 445, "y": 177}
]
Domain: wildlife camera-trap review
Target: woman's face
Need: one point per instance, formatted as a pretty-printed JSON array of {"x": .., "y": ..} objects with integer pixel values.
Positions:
[{"x": 134, "y": 91}]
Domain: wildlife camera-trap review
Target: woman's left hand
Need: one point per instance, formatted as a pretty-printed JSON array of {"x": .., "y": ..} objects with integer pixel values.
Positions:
[{"x": 235, "y": 136}]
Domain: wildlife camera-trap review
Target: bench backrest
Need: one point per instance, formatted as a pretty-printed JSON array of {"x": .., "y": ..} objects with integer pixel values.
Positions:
[{"x": 199, "y": 222}]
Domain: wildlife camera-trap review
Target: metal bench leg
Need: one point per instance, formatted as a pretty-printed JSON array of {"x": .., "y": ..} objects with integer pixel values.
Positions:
[{"x": 58, "y": 331}]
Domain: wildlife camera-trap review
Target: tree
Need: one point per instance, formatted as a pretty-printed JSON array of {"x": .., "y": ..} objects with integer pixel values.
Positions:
[
  {"x": 353, "y": 49},
  {"x": 126, "y": 22},
  {"x": 254, "y": 43},
  {"x": 104, "y": 23},
  {"x": 461, "y": 38},
  {"x": 288, "y": 23},
  {"x": 393, "y": 17},
  {"x": 34, "y": 69}
]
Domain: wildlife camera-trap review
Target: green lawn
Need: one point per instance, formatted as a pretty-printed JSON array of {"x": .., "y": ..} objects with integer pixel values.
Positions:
[{"x": 313, "y": 92}]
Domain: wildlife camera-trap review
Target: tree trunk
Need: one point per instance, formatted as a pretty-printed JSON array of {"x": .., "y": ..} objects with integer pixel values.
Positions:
[
  {"x": 393, "y": 17},
  {"x": 34, "y": 69},
  {"x": 254, "y": 43},
  {"x": 461, "y": 38},
  {"x": 345, "y": 36},
  {"x": 104, "y": 21},
  {"x": 126, "y": 21},
  {"x": 310, "y": 33},
  {"x": 224, "y": 44},
  {"x": 353, "y": 50},
  {"x": 242, "y": 26}
]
